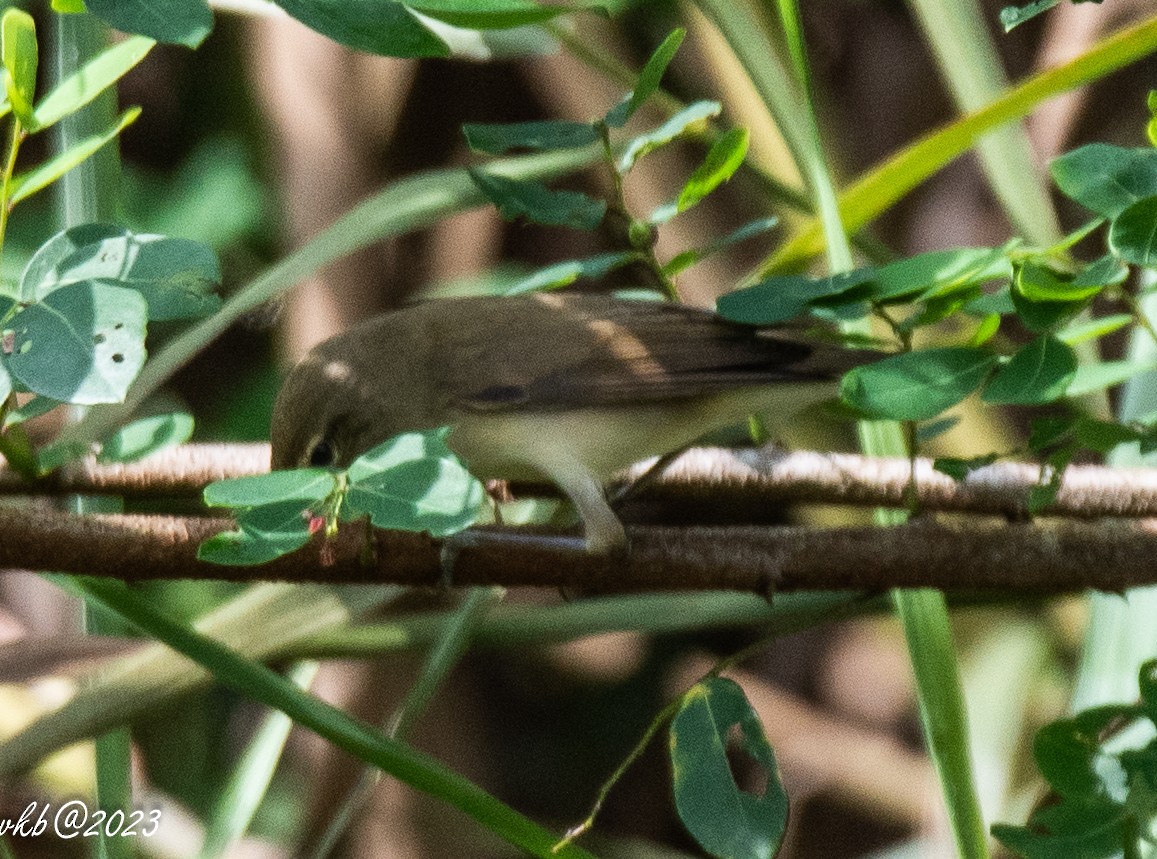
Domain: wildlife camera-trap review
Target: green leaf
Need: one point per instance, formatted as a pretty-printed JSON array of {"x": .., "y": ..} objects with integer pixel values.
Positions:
[
  {"x": 1040, "y": 284},
  {"x": 264, "y": 533},
  {"x": 938, "y": 273},
  {"x": 413, "y": 482},
  {"x": 177, "y": 22},
  {"x": 1069, "y": 756},
  {"x": 1106, "y": 179},
  {"x": 772, "y": 300},
  {"x": 299, "y": 484},
  {"x": 933, "y": 310},
  {"x": 176, "y": 276},
  {"x": 1101, "y": 836},
  {"x": 1041, "y": 314},
  {"x": 146, "y": 436},
  {"x": 487, "y": 14},
  {"x": 685, "y": 259},
  {"x": 1133, "y": 234},
  {"x": 1106, "y": 271},
  {"x": 677, "y": 125},
  {"x": 83, "y": 344},
  {"x": 26, "y": 184},
  {"x": 959, "y": 469},
  {"x": 1048, "y": 431},
  {"x": 1103, "y": 436},
  {"x": 537, "y": 136},
  {"x": 534, "y": 201},
  {"x": 565, "y": 273},
  {"x": 916, "y": 386},
  {"x": 1106, "y": 374},
  {"x": 648, "y": 81},
  {"x": 986, "y": 330},
  {"x": 726, "y": 821},
  {"x": 723, "y": 159},
  {"x": 19, "y": 53},
  {"x": 91, "y": 79},
  {"x": 1014, "y": 16},
  {"x": 999, "y": 301},
  {"x": 927, "y": 432},
  {"x": 1039, "y": 373},
  {"x": 384, "y": 27},
  {"x": 1147, "y": 681},
  {"x": 34, "y": 408},
  {"x": 1093, "y": 328},
  {"x": 68, "y": 7}
]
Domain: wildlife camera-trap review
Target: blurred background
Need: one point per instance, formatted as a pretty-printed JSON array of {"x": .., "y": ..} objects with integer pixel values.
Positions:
[{"x": 266, "y": 134}]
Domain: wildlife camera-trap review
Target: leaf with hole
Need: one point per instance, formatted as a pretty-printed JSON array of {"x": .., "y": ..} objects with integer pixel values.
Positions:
[
  {"x": 83, "y": 344},
  {"x": 916, "y": 386},
  {"x": 727, "y": 821},
  {"x": 1037, "y": 374},
  {"x": 177, "y": 277},
  {"x": 521, "y": 198}
]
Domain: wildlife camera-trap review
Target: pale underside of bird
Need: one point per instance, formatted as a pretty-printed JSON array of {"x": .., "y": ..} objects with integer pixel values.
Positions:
[{"x": 565, "y": 387}]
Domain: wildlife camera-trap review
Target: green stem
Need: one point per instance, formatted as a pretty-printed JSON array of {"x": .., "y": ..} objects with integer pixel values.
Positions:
[
  {"x": 14, "y": 138},
  {"x": 1139, "y": 314}
]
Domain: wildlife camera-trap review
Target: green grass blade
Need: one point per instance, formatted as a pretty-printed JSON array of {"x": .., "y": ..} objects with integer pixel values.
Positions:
[
  {"x": 250, "y": 779},
  {"x": 970, "y": 64},
  {"x": 879, "y": 189},
  {"x": 255, "y": 680}
]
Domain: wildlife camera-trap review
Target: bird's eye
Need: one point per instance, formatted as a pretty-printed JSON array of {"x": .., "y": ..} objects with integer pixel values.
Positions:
[{"x": 322, "y": 455}]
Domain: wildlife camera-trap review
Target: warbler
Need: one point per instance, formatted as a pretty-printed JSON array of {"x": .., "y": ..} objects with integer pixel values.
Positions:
[{"x": 566, "y": 387}]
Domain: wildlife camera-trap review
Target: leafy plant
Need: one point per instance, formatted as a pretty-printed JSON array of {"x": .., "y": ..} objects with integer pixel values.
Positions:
[{"x": 1101, "y": 766}]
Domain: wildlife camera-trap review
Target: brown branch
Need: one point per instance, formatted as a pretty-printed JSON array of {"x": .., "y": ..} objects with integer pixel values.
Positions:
[
  {"x": 1068, "y": 556},
  {"x": 182, "y": 470},
  {"x": 728, "y": 478}
]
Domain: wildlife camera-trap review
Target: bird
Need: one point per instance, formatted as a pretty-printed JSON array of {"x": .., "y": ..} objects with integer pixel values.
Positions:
[{"x": 565, "y": 387}]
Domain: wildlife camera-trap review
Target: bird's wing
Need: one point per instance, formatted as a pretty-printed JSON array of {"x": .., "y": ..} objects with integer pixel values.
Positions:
[{"x": 569, "y": 351}]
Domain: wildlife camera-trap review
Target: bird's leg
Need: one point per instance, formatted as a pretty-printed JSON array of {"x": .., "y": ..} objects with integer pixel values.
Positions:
[{"x": 603, "y": 532}]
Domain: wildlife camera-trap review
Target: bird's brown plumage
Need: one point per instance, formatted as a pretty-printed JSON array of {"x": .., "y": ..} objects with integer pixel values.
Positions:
[{"x": 564, "y": 385}]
